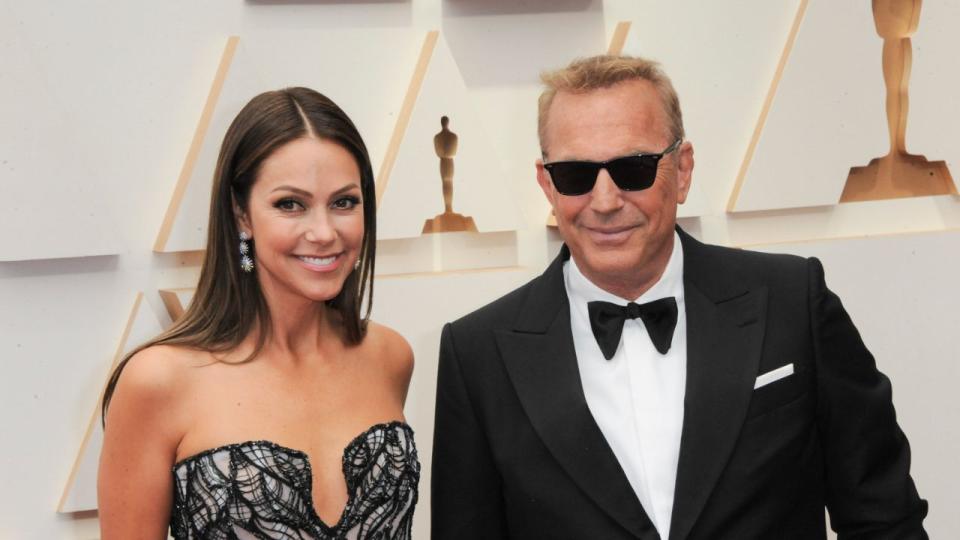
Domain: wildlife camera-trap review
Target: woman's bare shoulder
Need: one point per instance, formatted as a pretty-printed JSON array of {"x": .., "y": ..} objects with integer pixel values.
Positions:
[
  {"x": 391, "y": 348},
  {"x": 148, "y": 406},
  {"x": 158, "y": 372}
]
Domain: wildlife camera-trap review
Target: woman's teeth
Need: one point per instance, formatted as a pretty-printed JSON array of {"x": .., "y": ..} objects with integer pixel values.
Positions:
[{"x": 318, "y": 261}]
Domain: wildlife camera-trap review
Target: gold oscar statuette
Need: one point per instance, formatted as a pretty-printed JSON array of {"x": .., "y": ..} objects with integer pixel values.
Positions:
[
  {"x": 897, "y": 174},
  {"x": 445, "y": 144}
]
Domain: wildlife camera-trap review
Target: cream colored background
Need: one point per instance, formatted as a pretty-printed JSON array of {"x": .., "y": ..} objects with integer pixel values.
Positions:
[{"x": 99, "y": 102}]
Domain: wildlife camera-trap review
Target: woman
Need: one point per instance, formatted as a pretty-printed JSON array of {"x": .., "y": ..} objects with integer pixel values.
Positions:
[{"x": 274, "y": 401}]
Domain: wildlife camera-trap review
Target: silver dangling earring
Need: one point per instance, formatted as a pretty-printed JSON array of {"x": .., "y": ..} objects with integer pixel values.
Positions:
[{"x": 246, "y": 261}]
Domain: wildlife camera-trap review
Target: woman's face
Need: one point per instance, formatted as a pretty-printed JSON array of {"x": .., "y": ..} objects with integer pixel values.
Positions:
[{"x": 305, "y": 215}]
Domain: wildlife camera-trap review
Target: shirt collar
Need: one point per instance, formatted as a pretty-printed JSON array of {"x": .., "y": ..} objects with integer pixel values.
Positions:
[{"x": 582, "y": 290}]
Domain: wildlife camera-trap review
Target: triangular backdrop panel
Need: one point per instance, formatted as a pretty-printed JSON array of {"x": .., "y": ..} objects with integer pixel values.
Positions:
[
  {"x": 80, "y": 493},
  {"x": 176, "y": 301},
  {"x": 365, "y": 72},
  {"x": 480, "y": 187},
  {"x": 828, "y": 113},
  {"x": 933, "y": 122},
  {"x": 188, "y": 232},
  {"x": 51, "y": 205},
  {"x": 720, "y": 75}
]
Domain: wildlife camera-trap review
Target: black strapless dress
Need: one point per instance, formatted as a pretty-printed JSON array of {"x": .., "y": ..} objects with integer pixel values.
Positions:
[{"x": 264, "y": 491}]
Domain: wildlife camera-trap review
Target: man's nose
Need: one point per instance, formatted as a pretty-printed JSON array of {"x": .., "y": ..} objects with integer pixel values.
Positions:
[{"x": 606, "y": 196}]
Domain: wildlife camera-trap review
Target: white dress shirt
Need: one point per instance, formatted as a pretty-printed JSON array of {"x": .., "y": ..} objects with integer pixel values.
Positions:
[{"x": 636, "y": 397}]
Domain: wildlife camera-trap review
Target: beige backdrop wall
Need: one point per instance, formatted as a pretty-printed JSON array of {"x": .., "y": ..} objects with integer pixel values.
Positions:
[{"x": 99, "y": 102}]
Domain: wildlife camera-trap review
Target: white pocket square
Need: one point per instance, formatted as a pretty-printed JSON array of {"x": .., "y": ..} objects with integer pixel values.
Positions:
[{"x": 772, "y": 376}]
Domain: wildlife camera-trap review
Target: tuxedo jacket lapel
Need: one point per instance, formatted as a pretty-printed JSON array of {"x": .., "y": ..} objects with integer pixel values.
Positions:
[
  {"x": 725, "y": 327},
  {"x": 541, "y": 361}
]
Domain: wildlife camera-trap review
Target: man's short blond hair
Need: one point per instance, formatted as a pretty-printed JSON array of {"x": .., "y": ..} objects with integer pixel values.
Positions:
[{"x": 604, "y": 71}]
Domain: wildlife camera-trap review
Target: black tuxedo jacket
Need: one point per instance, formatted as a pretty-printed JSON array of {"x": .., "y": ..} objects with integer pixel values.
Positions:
[{"x": 517, "y": 453}]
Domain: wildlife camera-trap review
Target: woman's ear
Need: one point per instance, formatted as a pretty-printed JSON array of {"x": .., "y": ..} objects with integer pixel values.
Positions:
[{"x": 243, "y": 221}]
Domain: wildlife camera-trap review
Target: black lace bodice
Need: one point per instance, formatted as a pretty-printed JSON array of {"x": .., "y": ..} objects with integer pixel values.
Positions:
[{"x": 261, "y": 490}]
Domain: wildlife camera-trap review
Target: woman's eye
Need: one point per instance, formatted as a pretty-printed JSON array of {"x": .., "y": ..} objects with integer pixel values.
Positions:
[
  {"x": 288, "y": 205},
  {"x": 346, "y": 203}
]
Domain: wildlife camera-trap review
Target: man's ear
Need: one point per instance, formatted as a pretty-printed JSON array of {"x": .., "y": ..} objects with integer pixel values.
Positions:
[
  {"x": 684, "y": 170},
  {"x": 543, "y": 178}
]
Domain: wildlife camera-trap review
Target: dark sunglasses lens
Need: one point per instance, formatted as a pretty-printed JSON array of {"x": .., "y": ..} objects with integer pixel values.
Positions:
[
  {"x": 633, "y": 173},
  {"x": 573, "y": 177}
]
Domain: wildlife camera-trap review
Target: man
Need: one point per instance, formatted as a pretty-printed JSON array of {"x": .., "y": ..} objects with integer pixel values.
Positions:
[{"x": 650, "y": 386}]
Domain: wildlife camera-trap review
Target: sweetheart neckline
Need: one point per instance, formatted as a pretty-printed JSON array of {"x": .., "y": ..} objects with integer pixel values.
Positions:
[
  {"x": 393, "y": 424},
  {"x": 266, "y": 442}
]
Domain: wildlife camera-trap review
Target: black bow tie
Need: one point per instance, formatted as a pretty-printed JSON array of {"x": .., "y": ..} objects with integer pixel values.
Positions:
[{"x": 659, "y": 317}]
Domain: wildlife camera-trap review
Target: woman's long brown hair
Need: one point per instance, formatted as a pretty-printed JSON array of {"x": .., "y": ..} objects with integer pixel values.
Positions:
[{"x": 228, "y": 303}]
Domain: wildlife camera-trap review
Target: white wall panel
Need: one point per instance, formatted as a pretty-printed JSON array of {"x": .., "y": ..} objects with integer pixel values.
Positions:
[
  {"x": 365, "y": 73},
  {"x": 414, "y": 192},
  {"x": 827, "y": 114},
  {"x": 53, "y": 200},
  {"x": 933, "y": 121},
  {"x": 80, "y": 493},
  {"x": 720, "y": 74}
]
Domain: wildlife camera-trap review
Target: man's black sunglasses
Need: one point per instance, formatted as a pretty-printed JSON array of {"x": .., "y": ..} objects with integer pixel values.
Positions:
[{"x": 629, "y": 173}]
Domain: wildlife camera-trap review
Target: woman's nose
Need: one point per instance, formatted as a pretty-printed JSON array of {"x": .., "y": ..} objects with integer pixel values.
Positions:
[{"x": 320, "y": 228}]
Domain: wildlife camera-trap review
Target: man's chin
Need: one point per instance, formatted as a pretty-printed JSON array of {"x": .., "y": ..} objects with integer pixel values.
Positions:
[{"x": 611, "y": 265}]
